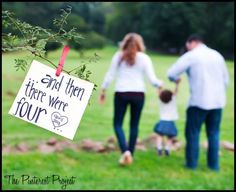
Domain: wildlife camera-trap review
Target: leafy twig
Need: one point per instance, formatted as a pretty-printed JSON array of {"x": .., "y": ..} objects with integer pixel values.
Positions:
[{"x": 36, "y": 38}]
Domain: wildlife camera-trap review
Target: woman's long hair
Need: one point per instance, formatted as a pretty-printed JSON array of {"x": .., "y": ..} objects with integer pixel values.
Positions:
[{"x": 131, "y": 44}]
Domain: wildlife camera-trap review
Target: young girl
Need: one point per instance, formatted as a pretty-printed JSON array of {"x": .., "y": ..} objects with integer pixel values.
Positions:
[{"x": 166, "y": 128}]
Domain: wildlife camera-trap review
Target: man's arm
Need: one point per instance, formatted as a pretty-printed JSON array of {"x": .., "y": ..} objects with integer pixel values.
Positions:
[{"x": 182, "y": 64}]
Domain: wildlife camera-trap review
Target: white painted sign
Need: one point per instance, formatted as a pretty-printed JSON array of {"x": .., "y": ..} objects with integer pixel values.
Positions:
[{"x": 53, "y": 103}]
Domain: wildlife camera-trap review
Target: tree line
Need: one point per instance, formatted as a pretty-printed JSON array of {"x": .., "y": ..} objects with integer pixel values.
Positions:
[{"x": 164, "y": 26}]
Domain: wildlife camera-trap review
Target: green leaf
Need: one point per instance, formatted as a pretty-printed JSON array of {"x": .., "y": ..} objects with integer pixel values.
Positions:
[
  {"x": 20, "y": 64},
  {"x": 41, "y": 44}
]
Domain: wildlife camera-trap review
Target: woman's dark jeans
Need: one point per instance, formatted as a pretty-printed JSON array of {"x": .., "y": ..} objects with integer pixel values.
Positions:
[{"x": 121, "y": 101}]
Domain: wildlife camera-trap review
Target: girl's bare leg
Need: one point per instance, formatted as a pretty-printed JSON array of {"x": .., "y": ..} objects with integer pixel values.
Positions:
[
  {"x": 168, "y": 143},
  {"x": 167, "y": 146},
  {"x": 159, "y": 142}
]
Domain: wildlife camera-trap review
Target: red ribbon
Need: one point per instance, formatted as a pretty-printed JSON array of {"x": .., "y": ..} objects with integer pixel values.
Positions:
[{"x": 62, "y": 60}]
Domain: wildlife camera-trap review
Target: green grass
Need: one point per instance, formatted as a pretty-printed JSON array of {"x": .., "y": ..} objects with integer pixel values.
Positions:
[{"x": 100, "y": 171}]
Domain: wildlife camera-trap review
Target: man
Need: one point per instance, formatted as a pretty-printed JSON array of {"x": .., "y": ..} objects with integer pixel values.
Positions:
[{"x": 208, "y": 79}]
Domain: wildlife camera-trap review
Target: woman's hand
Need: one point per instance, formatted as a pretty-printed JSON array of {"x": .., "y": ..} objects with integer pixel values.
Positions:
[{"x": 102, "y": 97}]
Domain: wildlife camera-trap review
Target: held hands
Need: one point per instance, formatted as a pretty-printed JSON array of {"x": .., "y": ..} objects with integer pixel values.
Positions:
[
  {"x": 102, "y": 97},
  {"x": 159, "y": 89},
  {"x": 178, "y": 81}
]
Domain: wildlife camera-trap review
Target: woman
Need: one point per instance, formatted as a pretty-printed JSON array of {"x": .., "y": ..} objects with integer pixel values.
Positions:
[{"x": 130, "y": 64}]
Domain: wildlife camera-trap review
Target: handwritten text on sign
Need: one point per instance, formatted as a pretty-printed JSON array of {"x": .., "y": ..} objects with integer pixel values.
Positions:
[{"x": 54, "y": 103}]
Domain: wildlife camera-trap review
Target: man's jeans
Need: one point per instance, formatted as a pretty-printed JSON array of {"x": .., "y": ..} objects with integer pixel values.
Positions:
[
  {"x": 195, "y": 118},
  {"x": 121, "y": 102}
]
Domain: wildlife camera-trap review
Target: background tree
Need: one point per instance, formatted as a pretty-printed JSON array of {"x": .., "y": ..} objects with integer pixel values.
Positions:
[
  {"x": 33, "y": 39},
  {"x": 164, "y": 26}
]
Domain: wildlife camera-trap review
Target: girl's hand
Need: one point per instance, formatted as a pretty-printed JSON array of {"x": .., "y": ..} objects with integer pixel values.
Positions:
[
  {"x": 159, "y": 89},
  {"x": 102, "y": 97},
  {"x": 176, "y": 86}
]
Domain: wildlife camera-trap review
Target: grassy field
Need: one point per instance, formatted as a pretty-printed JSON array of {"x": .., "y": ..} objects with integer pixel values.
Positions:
[{"x": 101, "y": 171}]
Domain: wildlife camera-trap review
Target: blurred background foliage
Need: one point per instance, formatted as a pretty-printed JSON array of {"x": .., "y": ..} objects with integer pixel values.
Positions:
[{"x": 164, "y": 26}]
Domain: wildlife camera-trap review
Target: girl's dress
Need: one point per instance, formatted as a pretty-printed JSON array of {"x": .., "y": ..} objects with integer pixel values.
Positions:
[{"x": 168, "y": 115}]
